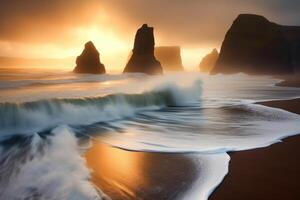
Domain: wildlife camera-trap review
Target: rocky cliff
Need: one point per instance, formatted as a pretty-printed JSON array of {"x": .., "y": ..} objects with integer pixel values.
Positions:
[
  {"x": 292, "y": 33},
  {"x": 142, "y": 59},
  {"x": 89, "y": 61},
  {"x": 254, "y": 45},
  {"x": 209, "y": 61},
  {"x": 169, "y": 57}
]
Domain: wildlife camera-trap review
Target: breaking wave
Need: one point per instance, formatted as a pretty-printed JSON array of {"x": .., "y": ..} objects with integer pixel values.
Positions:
[
  {"x": 40, "y": 156},
  {"x": 33, "y": 167},
  {"x": 44, "y": 114}
]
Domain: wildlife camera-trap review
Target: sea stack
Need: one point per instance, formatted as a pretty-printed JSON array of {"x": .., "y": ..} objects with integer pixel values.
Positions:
[
  {"x": 89, "y": 61},
  {"x": 142, "y": 59},
  {"x": 209, "y": 61},
  {"x": 169, "y": 57},
  {"x": 254, "y": 45}
]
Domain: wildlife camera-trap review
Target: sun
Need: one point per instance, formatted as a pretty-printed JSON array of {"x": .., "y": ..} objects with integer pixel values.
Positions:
[
  {"x": 105, "y": 40},
  {"x": 113, "y": 49}
]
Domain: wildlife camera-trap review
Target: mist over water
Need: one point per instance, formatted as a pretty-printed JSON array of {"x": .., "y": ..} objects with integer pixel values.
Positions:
[
  {"x": 48, "y": 114},
  {"x": 36, "y": 167}
]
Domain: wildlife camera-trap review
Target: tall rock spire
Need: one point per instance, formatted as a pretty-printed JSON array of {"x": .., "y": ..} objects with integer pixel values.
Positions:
[{"x": 143, "y": 59}]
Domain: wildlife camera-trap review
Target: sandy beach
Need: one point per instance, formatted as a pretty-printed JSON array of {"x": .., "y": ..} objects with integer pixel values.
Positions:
[
  {"x": 260, "y": 174},
  {"x": 150, "y": 100},
  {"x": 263, "y": 174},
  {"x": 292, "y": 105},
  {"x": 290, "y": 81},
  {"x": 127, "y": 175},
  {"x": 266, "y": 173}
]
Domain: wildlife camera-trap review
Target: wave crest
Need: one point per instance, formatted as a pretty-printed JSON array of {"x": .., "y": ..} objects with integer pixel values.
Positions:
[{"x": 34, "y": 116}]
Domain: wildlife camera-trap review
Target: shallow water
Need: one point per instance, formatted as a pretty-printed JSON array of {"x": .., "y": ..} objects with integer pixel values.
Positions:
[{"x": 180, "y": 112}]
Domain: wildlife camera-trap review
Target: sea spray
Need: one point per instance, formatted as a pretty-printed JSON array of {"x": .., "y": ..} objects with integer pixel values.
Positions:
[
  {"x": 45, "y": 168},
  {"x": 157, "y": 114},
  {"x": 44, "y": 114}
]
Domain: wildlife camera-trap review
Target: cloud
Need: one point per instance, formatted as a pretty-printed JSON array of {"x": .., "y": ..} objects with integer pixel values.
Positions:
[
  {"x": 42, "y": 21},
  {"x": 191, "y": 23},
  {"x": 200, "y": 22}
]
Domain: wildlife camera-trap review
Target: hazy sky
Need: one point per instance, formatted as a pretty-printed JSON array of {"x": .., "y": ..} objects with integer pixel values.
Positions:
[{"x": 59, "y": 28}]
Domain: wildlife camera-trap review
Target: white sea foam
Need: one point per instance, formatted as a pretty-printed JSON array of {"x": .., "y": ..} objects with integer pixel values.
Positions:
[
  {"x": 209, "y": 138},
  {"x": 230, "y": 129},
  {"x": 171, "y": 113},
  {"x": 49, "y": 170},
  {"x": 43, "y": 114},
  {"x": 213, "y": 168}
]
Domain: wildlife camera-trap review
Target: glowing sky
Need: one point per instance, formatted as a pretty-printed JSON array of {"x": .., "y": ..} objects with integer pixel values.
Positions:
[{"x": 59, "y": 28}]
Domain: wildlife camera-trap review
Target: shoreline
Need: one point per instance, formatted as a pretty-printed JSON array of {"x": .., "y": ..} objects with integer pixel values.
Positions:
[
  {"x": 289, "y": 81},
  {"x": 253, "y": 174},
  {"x": 292, "y": 105},
  {"x": 265, "y": 173},
  {"x": 130, "y": 175}
]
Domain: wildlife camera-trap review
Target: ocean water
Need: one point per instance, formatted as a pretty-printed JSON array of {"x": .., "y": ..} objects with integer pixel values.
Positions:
[{"x": 45, "y": 114}]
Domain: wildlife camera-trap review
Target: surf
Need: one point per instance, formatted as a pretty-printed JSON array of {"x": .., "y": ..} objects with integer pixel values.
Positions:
[
  {"x": 44, "y": 114},
  {"x": 176, "y": 113}
]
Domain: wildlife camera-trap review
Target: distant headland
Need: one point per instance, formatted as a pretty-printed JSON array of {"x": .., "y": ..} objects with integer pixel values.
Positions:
[
  {"x": 169, "y": 57},
  {"x": 254, "y": 45}
]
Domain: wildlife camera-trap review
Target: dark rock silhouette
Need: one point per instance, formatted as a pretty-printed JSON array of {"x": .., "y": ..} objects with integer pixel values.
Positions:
[
  {"x": 209, "y": 61},
  {"x": 293, "y": 35},
  {"x": 142, "y": 59},
  {"x": 89, "y": 61},
  {"x": 254, "y": 45},
  {"x": 169, "y": 57}
]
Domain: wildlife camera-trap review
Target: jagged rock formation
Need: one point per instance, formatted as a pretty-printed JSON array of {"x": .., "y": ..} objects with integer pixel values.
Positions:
[
  {"x": 209, "y": 61},
  {"x": 89, "y": 61},
  {"x": 169, "y": 57},
  {"x": 254, "y": 45},
  {"x": 142, "y": 59}
]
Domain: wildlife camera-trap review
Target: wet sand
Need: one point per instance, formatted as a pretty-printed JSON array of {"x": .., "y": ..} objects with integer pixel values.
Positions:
[
  {"x": 289, "y": 105},
  {"x": 265, "y": 174},
  {"x": 290, "y": 81},
  {"x": 126, "y": 175},
  {"x": 262, "y": 174}
]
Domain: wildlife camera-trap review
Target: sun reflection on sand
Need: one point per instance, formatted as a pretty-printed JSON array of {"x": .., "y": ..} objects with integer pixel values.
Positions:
[
  {"x": 125, "y": 174},
  {"x": 116, "y": 167}
]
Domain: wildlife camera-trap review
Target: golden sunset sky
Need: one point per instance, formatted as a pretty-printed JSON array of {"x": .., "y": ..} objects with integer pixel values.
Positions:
[{"x": 59, "y": 29}]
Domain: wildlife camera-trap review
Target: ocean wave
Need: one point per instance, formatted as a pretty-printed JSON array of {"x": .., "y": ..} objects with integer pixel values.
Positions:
[
  {"x": 43, "y": 114},
  {"x": 35, "y": 168},
  {"x": 54, "y": 79},
  {"x": 221, "y": 120}
]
